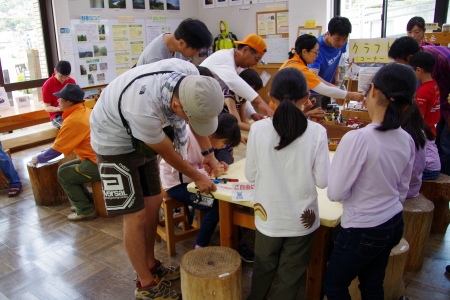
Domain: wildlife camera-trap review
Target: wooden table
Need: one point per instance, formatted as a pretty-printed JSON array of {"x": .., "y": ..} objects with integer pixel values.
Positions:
[
  {"x": 20, "y": 117},
  {"x": 232, "y": 216}
]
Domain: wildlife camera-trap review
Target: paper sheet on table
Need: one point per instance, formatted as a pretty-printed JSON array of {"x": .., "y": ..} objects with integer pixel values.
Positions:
[
  {"x": 242, "y": 191},
  {"x": 365, "y": 78},
  {"x": 51, "y": 161}
]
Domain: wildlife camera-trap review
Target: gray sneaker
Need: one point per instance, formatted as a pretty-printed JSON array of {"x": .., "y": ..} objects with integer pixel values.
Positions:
[
  {"x": 77, "y": 217},
  {"x": 167, "y": 273},
  {"x": 160, "y": 291}
]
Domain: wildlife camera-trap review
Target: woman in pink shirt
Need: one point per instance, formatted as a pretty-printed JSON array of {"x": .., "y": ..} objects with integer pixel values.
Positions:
[{"x": 370, "y": 175}]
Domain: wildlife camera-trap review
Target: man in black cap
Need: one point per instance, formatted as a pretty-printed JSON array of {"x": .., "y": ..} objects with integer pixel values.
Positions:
[{"x": 74, "y": 136}]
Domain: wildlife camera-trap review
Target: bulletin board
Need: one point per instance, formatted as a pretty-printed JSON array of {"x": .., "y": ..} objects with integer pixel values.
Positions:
[
  {"x": 317, "y": 31},
  {"x": 102, "y": 50},
  {"x": 273, "y": 26}
]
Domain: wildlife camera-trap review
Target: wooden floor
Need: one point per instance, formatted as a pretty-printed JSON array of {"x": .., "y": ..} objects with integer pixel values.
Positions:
[{"x": 44, "y": 256}]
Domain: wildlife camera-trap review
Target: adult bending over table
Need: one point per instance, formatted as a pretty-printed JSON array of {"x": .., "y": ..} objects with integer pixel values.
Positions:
[
  {"x": 146, "y": 99},
  {"x": 306, "y": 51}
]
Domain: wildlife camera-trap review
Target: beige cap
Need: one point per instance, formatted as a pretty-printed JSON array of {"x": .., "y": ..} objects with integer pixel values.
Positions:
[{"x": 202, "y": 101}]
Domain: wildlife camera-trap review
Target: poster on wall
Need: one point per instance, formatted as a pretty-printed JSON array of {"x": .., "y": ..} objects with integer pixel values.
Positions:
[
  {"x": 235, "y": 2},
  {"x": 208, "y": 3},
  {"x": 173, "y": 4},
  {"x": 221, "y": 3},
  {"x": 117, "y": 4},
  {"x": 138, "y": 4},
  {"x": 156, "y": 4},
  {"x": 97, "y": 3}
]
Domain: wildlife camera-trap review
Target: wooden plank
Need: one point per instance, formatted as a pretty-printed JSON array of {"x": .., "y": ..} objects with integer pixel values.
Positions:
[
  {"x": 29, "y": 136},
  {"x": 244, "y": 219},
  {"x": 317, "y": 264}
]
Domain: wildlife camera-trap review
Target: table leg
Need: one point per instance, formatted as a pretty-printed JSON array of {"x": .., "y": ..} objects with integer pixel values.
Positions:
[
  {"x": 228, "y": 231},
  {"x": 318, "y": 264}
]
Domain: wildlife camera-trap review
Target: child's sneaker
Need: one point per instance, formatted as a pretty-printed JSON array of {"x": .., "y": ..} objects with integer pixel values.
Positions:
[
  {"x": 167, "y": 273},
  {"x": 246, "y": 253},
  {"x": 158, "y": 291}
]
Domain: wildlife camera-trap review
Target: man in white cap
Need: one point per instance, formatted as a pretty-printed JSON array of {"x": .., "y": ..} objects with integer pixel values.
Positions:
[
  {"x": 226, "y": 64},
  {"x": 149, "y": 99}
]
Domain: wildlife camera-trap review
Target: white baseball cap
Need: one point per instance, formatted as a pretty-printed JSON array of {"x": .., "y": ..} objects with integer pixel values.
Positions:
[{"x": 202, "y": 101}]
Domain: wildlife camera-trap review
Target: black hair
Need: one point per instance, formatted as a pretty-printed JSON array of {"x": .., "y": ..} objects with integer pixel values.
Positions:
[
  {"x": 397, "y": 85},
  {"x": 415, "y": 21},
  {"x": 414, "y": 125},
  {"x": 340, "y": 25},
  {"x": 205, "y": 71},
  {"x": 252, "y": 78},
  {"x": 63, "y": 67},
  {"x": 289, "y": 86},
  {"x": 403, "y": 47},
  {"x": 194, "y": 33},
  {"x": 423, "y": 60},
  {"x": 228, "y": 128},
  {"x": 305, "y": 41}
]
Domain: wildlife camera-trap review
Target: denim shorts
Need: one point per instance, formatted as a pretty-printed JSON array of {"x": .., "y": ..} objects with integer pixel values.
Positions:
[{"x": 126, "y": 180}]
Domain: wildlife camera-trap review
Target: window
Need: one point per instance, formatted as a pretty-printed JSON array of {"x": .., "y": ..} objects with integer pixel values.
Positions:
[
  {"x": 364, "y": 16},
  {"x": 26, "y": 57}
]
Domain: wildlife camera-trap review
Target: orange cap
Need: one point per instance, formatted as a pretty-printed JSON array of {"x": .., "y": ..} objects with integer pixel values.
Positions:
[{"x": 256, "y": 42}]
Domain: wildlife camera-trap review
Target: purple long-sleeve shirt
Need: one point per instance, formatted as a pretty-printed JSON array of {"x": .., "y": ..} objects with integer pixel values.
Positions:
[
  {"x": 370, "y": 175},
  {"x": 417, "y": 172}
]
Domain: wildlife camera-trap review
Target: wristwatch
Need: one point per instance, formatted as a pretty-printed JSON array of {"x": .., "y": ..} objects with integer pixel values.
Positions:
[{"x": 206, "y": 152}]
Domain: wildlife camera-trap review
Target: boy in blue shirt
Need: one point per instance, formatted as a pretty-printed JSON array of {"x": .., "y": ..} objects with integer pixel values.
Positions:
[{"x": 331, "y": 46}]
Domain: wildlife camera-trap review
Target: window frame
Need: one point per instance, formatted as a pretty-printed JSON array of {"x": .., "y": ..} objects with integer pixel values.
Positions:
[
  {"x": 49, "y": 35},
  {"x": 440, "y": 13}
]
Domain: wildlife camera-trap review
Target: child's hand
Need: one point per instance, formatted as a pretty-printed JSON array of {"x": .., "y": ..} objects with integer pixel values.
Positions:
[
  {"x": 316, "y": 112},
  {"x": 308, "y": 104},
  {"x": 225, "y": 167},
  {"x": 244, "y": 140},
  {"x": 220, "y": 170}
]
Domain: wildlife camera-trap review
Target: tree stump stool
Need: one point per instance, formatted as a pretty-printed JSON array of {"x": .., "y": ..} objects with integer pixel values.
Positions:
[
  {"x": 4, "y": 182},
  {"x": 393, "y": 285},
  {"x": 417, "y": 215},
  {"x": 45, "y": 185},
  {"x": 438, "y": 192},
  {"x": 99, "y": 202},
  {"x": 211, "y": 273}
]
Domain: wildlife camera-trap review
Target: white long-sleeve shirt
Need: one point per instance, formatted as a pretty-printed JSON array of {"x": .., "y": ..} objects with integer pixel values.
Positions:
[
  {"x": 286, "y": 180},
  {"x": 221, "y": 63},
  {"x": 370, "y": 175}
]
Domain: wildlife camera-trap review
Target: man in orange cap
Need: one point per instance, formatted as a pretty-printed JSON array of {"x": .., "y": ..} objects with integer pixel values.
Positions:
[{"x": 226, "y": 64}]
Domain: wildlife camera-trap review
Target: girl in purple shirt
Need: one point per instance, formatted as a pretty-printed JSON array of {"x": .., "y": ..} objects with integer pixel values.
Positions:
[{"x": 370, "y": 175}]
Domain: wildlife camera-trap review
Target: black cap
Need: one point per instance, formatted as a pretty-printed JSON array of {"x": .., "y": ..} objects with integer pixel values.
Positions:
[{"x": 71, "y": 92}]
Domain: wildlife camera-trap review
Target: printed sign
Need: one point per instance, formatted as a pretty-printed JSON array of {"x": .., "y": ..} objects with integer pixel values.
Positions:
[
  {"x": 310, "y": 23},
  {"x": 370, "y": 50},
  {"x": 242, "y": 191},
  {"x": 90, "y": 18}
]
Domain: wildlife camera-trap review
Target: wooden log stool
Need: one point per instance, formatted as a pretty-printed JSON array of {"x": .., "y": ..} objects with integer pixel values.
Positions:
[
  {"x": 438, "y": 192},
  {"x": 4, "y": 182},
  {"x": 99, "y": 202},
  {"x": 45, "y": 185},
  {"x": 417, "y": 215},
  {"x": 393, "y": 285},
  {"x": 211, "y": 273}
]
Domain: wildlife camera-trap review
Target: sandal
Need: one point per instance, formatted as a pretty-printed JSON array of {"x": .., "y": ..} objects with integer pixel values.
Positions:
[{"x": 14, "y": 191}]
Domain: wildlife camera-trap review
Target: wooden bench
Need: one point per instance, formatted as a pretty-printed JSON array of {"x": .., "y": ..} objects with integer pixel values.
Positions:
[
  {"x": 29, "y": 137},
  {"x": 438, "y": 192}
]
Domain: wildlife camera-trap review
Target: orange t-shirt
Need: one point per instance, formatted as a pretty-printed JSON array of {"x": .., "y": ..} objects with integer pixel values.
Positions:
[
  {"x": 75, "y": 133},
  {"x": 297, "y": 62}
]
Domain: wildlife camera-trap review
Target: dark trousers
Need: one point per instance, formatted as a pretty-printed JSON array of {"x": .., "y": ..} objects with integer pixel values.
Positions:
[
  {"x": 362, "y": 252},
  {"x": 289, "y": 256},
  {"x": 210, "y": 220}
]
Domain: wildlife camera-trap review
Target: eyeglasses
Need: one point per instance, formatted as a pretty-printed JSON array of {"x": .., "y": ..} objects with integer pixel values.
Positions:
[
  {"x": 316, "y": 53},
  {"x": 253, "y": 51}
]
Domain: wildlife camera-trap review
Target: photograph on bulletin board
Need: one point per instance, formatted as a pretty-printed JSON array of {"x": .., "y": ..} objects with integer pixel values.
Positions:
[
  {"x": 97, "y": 3},
  {"x": 138, "y": 4},
  {"x": 312, "y": 31},
  {"x": 221, "y": 3},
  {"x": 173, "y": 4},
  {"x": 156, "y": 4},
  {"x": 117, "y": 4},
  {"x": 208, "y": 3}
]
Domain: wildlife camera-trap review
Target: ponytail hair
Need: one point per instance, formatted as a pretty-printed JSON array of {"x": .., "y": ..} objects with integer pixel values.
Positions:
[
  {"x": 289, "y": 86},
  {"x": 397, "y": 85},
  {"x": 414, "y": 125},
  {"x": 305, "y": 41}
]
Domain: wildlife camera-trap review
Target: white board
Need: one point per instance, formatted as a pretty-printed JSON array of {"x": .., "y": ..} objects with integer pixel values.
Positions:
[{"x": 277, "y": 50}]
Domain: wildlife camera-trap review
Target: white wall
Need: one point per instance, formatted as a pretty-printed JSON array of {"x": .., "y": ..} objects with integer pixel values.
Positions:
[{"x": 241, "y": 23}]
